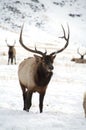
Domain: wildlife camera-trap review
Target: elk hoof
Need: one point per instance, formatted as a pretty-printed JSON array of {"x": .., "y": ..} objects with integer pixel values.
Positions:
[{"x": 25, "y": 109}]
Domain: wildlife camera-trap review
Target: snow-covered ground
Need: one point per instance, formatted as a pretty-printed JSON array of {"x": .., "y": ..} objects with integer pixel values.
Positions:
[{"x": 63, "y": 108}]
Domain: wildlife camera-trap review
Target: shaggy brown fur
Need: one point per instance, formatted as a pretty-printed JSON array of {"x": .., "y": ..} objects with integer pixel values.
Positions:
[
  {"x": 11, "y": 54},
  {"x": 79, "y": 60}
]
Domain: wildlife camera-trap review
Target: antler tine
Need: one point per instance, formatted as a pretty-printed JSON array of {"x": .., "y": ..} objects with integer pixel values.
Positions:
[
  {"x": 45, "y": 52},
  {"x": 38, "y": 51},
  {"x": 21, "y": 42},
  {"x": 85, "y": 53},
  {"x": 78, "y": 51},
  {"x": 6, "y": 42},
  {"x": 14, "y": 42},
  {"x": 63, "y": 32},
  {"x": 66, "y": 39}
]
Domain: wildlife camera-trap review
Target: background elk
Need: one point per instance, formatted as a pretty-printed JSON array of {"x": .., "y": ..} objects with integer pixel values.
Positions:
[
  {"x": 81, "y": 59},
  {"x": 11, "y": 53},
  {"x": 84, "y": 104},
  {"x": 35, "y": 72}
]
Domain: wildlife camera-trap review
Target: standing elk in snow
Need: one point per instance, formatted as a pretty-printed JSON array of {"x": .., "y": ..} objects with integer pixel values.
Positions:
[
  {"x": 11, "y": 53},
  {"x": 81, "y": 59},
  {"x": 35, "y": 72}
]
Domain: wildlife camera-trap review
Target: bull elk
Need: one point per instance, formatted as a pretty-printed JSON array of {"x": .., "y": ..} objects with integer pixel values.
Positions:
[
  {"x": 11, "y": 53},
  {"x": 81, "y": 59},
  {"x": 35, "y": 72}
]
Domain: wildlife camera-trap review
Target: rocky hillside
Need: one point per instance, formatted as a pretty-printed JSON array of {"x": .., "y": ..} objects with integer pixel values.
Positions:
[{"x": 39, "y": 12}]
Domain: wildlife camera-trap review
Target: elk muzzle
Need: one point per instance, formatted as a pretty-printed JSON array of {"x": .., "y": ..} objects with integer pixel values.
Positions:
[{"x": 49, "y": 68}]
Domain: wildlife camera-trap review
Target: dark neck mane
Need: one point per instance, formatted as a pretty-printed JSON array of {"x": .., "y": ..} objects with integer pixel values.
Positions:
[{"x": 42, "y": 77}]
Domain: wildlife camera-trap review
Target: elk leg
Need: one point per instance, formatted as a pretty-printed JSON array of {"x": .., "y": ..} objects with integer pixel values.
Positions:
[
  {"x": 41, "y": 98},
  {"x": 24, "y": 91},
  {"x": 27, "y": 96},
  {"x": 15, "y": 59},
  {"x": 8, "y": 60},
  {"x": 11, "y": 60},
  {"x": 25, "y": 100},
  {"x": 29, "y": 99}
]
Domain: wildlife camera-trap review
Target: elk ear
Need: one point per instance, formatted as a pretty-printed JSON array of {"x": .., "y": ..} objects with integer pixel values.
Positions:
[
  {"x": 53, "y": 57},
  {"x": 38, "y": 58}
]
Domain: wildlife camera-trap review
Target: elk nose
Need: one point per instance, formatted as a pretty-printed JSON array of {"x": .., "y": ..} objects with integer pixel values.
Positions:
[{"x": 51, "y": 67}]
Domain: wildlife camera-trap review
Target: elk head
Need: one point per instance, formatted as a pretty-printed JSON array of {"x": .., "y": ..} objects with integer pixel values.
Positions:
[{"x": 46, "y": 60}]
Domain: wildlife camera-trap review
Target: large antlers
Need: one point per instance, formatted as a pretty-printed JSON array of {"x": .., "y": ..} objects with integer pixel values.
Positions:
[
  {"x": 34, "y": 51},
  {"x": 66, "y": 39},
  {"x": 41, "y": 53}
]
